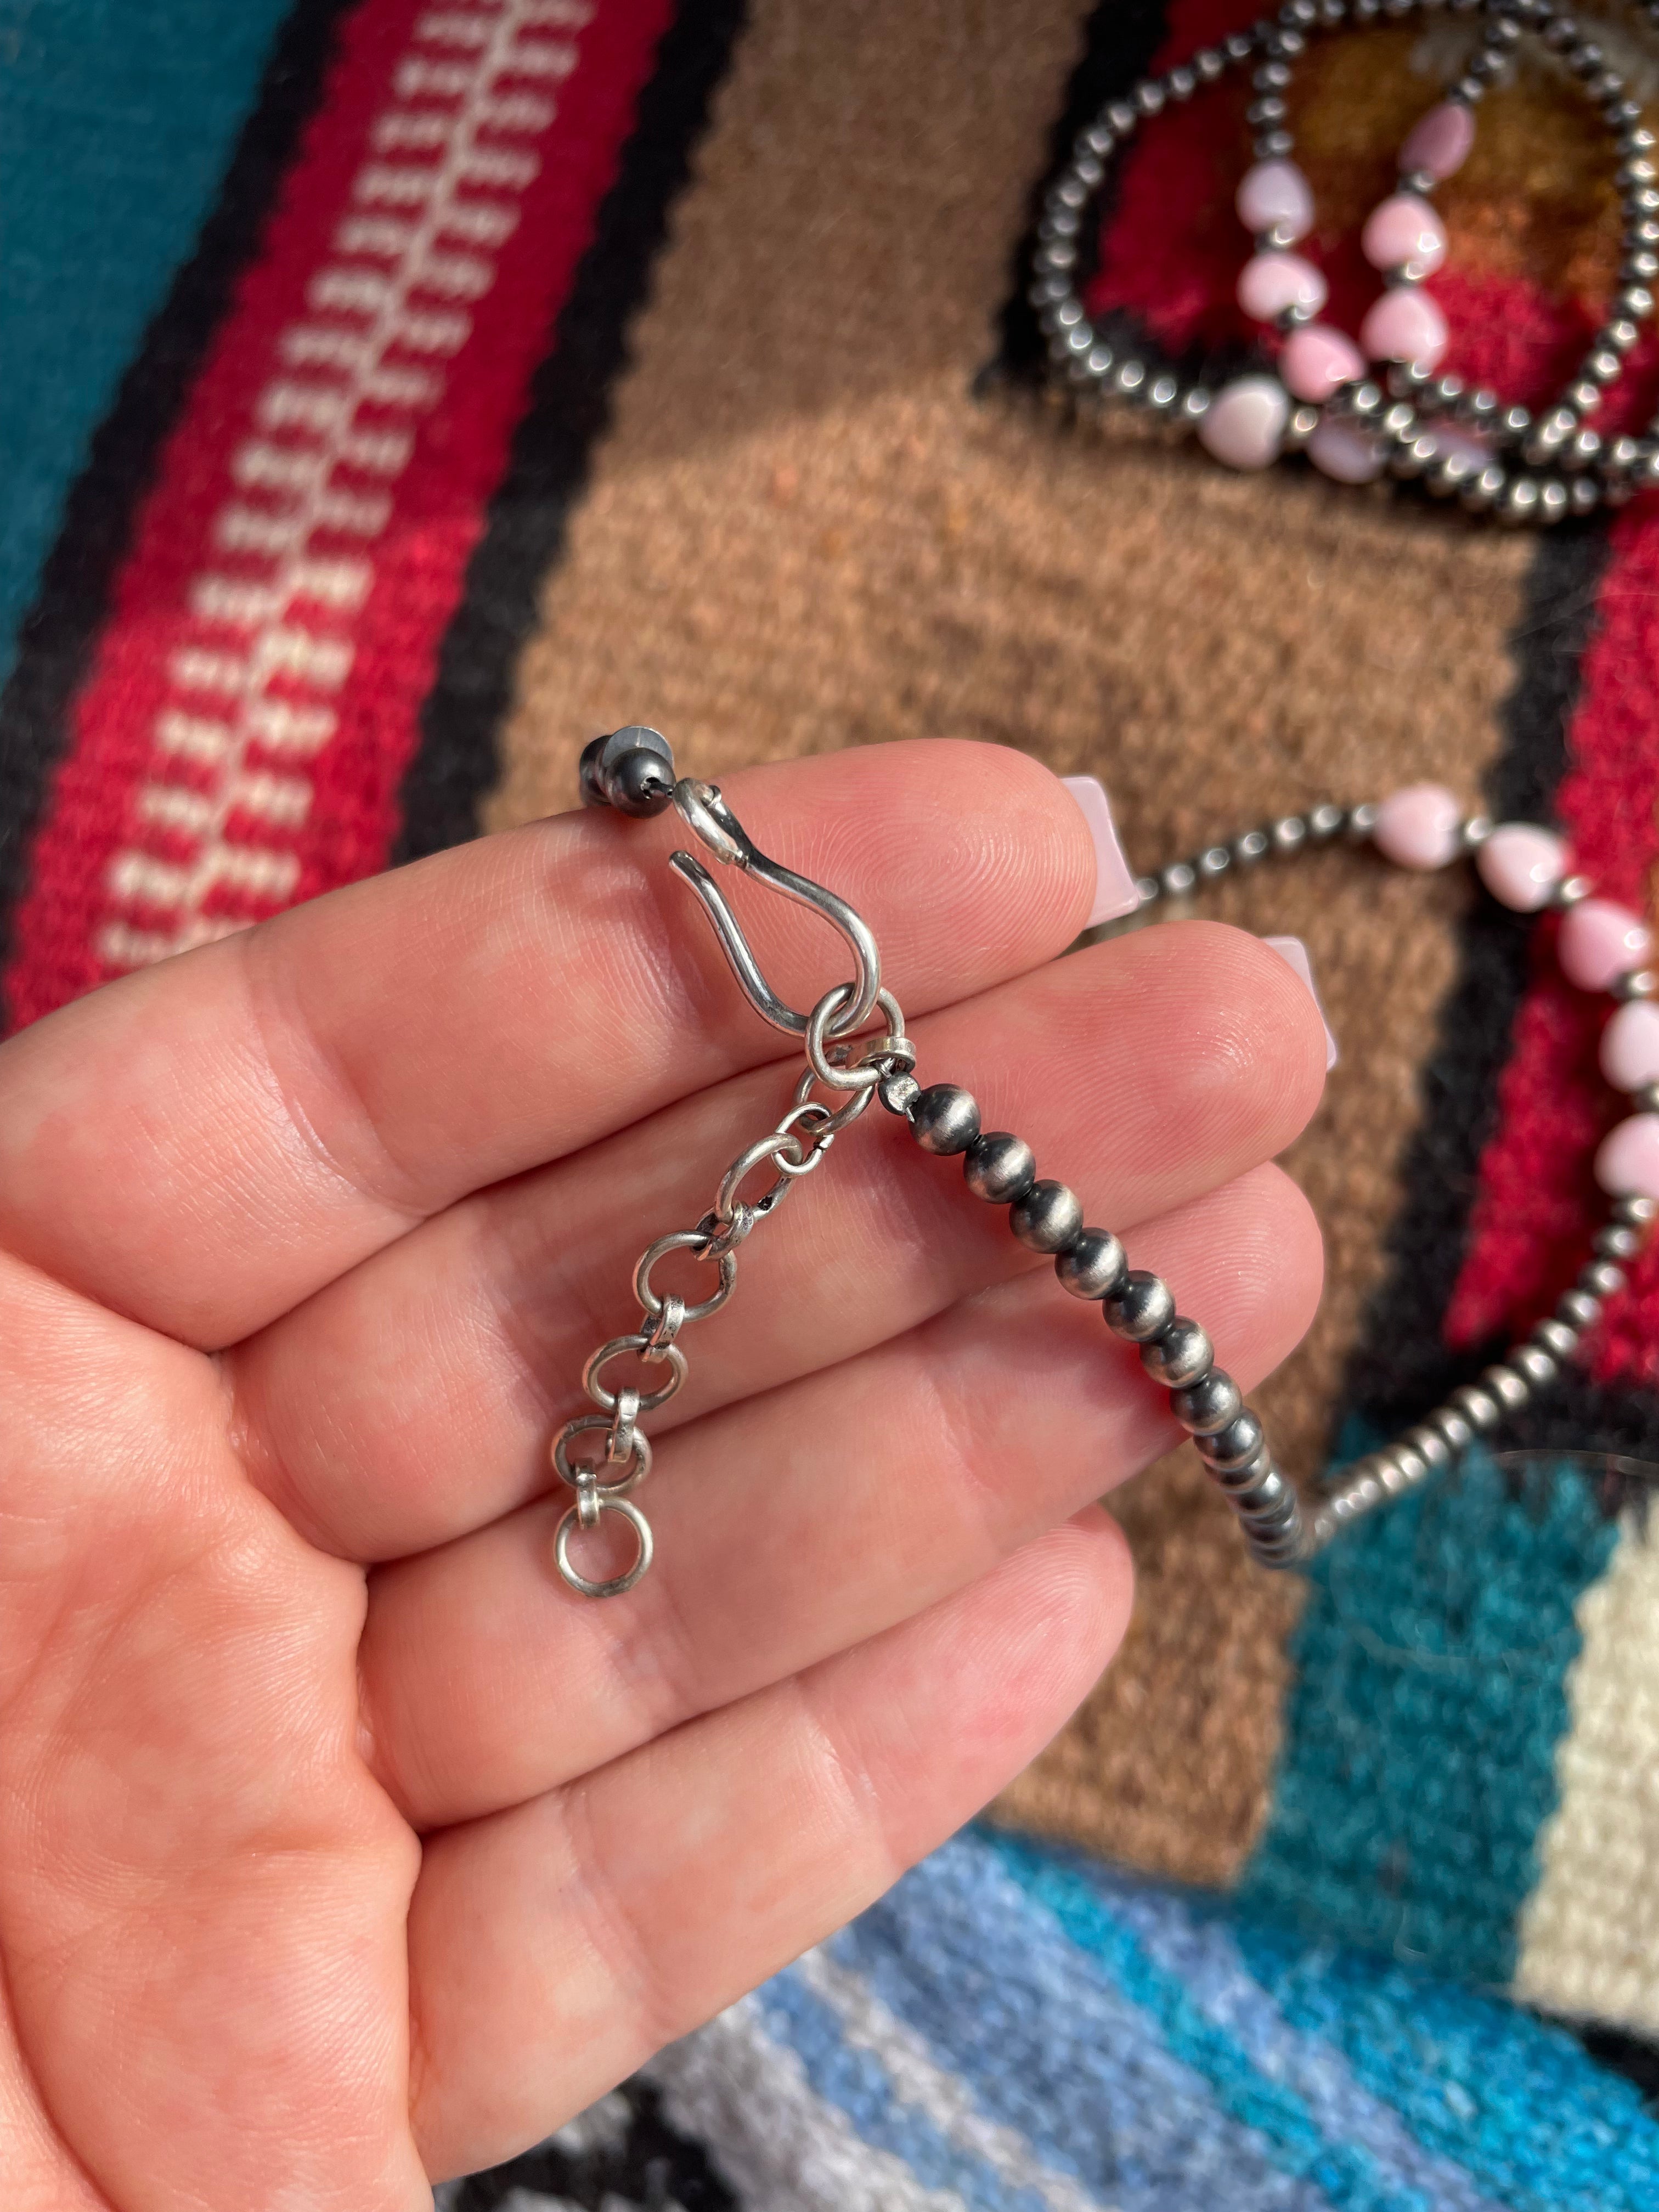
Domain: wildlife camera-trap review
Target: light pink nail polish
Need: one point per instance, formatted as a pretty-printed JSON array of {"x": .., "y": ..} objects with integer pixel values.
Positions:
[
  {"x": 1294, "y": 953},
  {"x": 1114, "y": 885}
]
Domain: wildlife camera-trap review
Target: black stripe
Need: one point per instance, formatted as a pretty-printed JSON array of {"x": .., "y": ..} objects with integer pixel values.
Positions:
[
  {"x": 1118, "y": 44},
  {"x": 59, "y": 632},
  {"x": 569, "y": 410}
]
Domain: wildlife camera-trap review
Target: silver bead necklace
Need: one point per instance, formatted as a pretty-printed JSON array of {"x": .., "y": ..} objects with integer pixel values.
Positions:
[
  {"x": 1602, "y": 947},
  {"x": 1327, "y": 400}
]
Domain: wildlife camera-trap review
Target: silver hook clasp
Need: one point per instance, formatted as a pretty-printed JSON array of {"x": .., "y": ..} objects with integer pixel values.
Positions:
[{"x": 707, "y": 813}]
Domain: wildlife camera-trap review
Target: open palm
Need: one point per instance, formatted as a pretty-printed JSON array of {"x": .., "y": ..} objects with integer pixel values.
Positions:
[{"x": 343, "y": 1848}]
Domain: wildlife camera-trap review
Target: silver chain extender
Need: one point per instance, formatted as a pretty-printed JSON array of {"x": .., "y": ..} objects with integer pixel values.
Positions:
[{"x": 794, "y": 1148}]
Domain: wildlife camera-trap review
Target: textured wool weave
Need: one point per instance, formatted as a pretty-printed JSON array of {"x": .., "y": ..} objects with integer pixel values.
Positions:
[{"x": 706, "y": 399}]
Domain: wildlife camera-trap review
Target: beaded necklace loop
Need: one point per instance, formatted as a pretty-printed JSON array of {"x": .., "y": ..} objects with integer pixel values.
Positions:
[{"x": 1322, "y": 394}]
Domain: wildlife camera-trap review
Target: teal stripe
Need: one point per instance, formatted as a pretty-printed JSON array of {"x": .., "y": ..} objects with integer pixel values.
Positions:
[
  {"x": 117, "y": 119},
  {"x": 1346, "y": 2172},
  {"x": 1419, "y": 1755},
  {"x": 1518, "y": 2105}
]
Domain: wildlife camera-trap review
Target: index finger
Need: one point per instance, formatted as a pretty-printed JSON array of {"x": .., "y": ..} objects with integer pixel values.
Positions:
[{"x": 203, "y": 1143}]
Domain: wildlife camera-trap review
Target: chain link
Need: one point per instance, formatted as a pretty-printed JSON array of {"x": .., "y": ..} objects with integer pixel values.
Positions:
[{"x": 794, "y": 1148}]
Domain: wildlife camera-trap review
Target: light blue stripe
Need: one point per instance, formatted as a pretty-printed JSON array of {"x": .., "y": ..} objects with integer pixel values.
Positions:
[
  {"x": 1347, "y": 2172},
  {"x": 1195, "y": 1945},
  {"x": 116, "y": 122},
  {"x": 1046, "y": 2046},
  {"x": 1517, "y": 2103},
  {"x": 857, "y": 2083}
]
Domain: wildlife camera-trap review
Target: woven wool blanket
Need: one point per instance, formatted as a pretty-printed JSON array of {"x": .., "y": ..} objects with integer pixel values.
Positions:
[{"x": 724, "y": 417}]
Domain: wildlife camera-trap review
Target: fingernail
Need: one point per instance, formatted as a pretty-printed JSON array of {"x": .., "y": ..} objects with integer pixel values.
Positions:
[
  {"x": 1294, "y": 953},
  {"x": 1114, "y": 885}
]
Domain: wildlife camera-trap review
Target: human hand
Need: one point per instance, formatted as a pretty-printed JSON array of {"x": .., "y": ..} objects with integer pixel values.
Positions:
[{"x": 340, "y": 1847}]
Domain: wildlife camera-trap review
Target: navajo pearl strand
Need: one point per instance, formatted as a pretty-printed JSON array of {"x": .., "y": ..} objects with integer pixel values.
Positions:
[{"x": 1602, "y": 946}]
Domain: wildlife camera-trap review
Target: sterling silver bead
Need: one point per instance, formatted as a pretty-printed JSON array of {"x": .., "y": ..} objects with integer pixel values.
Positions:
[
  {"x": 1093, "y": 1266},
  {"x": 1509, "y": 1389},
  {"x": 1234, "y": 1446},
  {"x": 999, "y": 1167},
  {"x": 1141, "y": 1308},
  {"x": 1556, "y": 1338},
  {"x": 1602, "y": 1278},
  {"x": 1580, "y": 1309},
  {"x": 1477, "y": 1407},
  {"x": 945, "y": 1119},
  {"x": 1535, "y": 1363},
  {"x": 1209, "y": 1405},
  {"x": 1616, "y": 1241},
  {"x": 1048, "y": 1218},
  {"x": 1179, "y": 1354}
]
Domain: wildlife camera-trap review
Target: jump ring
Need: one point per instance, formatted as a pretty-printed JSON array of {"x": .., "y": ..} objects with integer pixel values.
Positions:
[
  {"x": 818, "y": 1032},
  {"x": 583, "y": 1476},
  {"x": 772, "y": 1146},
  {"x": 822, "y": 1138},
  {"x": 684, "y": 1240},
  {"x": 607, "y": 1503},
  {"x": 619, "y": 1444},
  {"x": 649, "y": 1400},
  {"x": 839, "y": 1117},
  {"x": 656, "y": 1341}
]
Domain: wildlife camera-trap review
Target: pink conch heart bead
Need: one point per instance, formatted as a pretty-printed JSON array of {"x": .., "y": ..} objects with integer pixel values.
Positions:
[
  {"x": 1243, "y": 424},
  {"x": 1270, "y": 282},
  {"x": 1418, "y": 827},
  {"x": 1315, "y": 359},
  {"x": 1630, "y": 1046},
  {"x": 1522, "y": 864},
  {"x": 1627, "y": 1163},
  {"x": 1439, "y": 142},
  {"x": 1405, "y": 325},
  {"x": 1275, "y": 196},
  {"x": 1599, "y": 942},
  {"x": 1404, "y": 230},
  {"x": 1343, "y": 454}
]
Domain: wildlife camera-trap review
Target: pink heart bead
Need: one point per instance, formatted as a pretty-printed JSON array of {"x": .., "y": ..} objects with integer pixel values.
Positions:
[
  {"x": 1419, "y": 827},
  {"x": 1439, "y": 143},
  {"x": 1315, "y": 359},
  {"x": 1404, "y": 230},
  {"x": 1405, "y": 325},
  {"x": 1630, "y": 1046},
  {"x": 1599, "y": 942},
  {"x": 1627, "y": 1163},
  {"x": 1270, "y": 282},
  {"x": 1242, "y": 425},
  {"x": 1522, "y": 864},
  {"x": 1275, "y": 196},
  {"x": 1343, "y": 454}
]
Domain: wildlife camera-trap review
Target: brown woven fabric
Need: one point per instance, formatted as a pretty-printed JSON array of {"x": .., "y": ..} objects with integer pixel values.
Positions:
[{"x": 804, "y": 532}]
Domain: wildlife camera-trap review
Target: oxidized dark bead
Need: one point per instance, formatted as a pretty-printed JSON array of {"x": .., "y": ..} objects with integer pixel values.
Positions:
[
  {"x": 1208, "y": 1405},
  {"x": 1234, "y": 1446},
  {"x": 999, "y": 1167},
  {"x": 1049, "y": 1218},
  {"x": 1179, "y": 1354},
  {"x": 1141, "y": 1308},
  {"x": 1094, "y": 1266},
  {"x": 945, "y": 1119}
]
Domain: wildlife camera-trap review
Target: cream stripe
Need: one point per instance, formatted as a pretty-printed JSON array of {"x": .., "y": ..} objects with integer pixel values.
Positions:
[{"x": 1590, "y": 1932}]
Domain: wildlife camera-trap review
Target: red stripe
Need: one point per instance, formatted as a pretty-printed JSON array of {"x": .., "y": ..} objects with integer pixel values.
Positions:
[{"x": 470, "y": 142}]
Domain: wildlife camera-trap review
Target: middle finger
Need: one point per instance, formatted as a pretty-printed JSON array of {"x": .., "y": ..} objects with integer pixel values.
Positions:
[{"x": 412, "y": 1400}]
